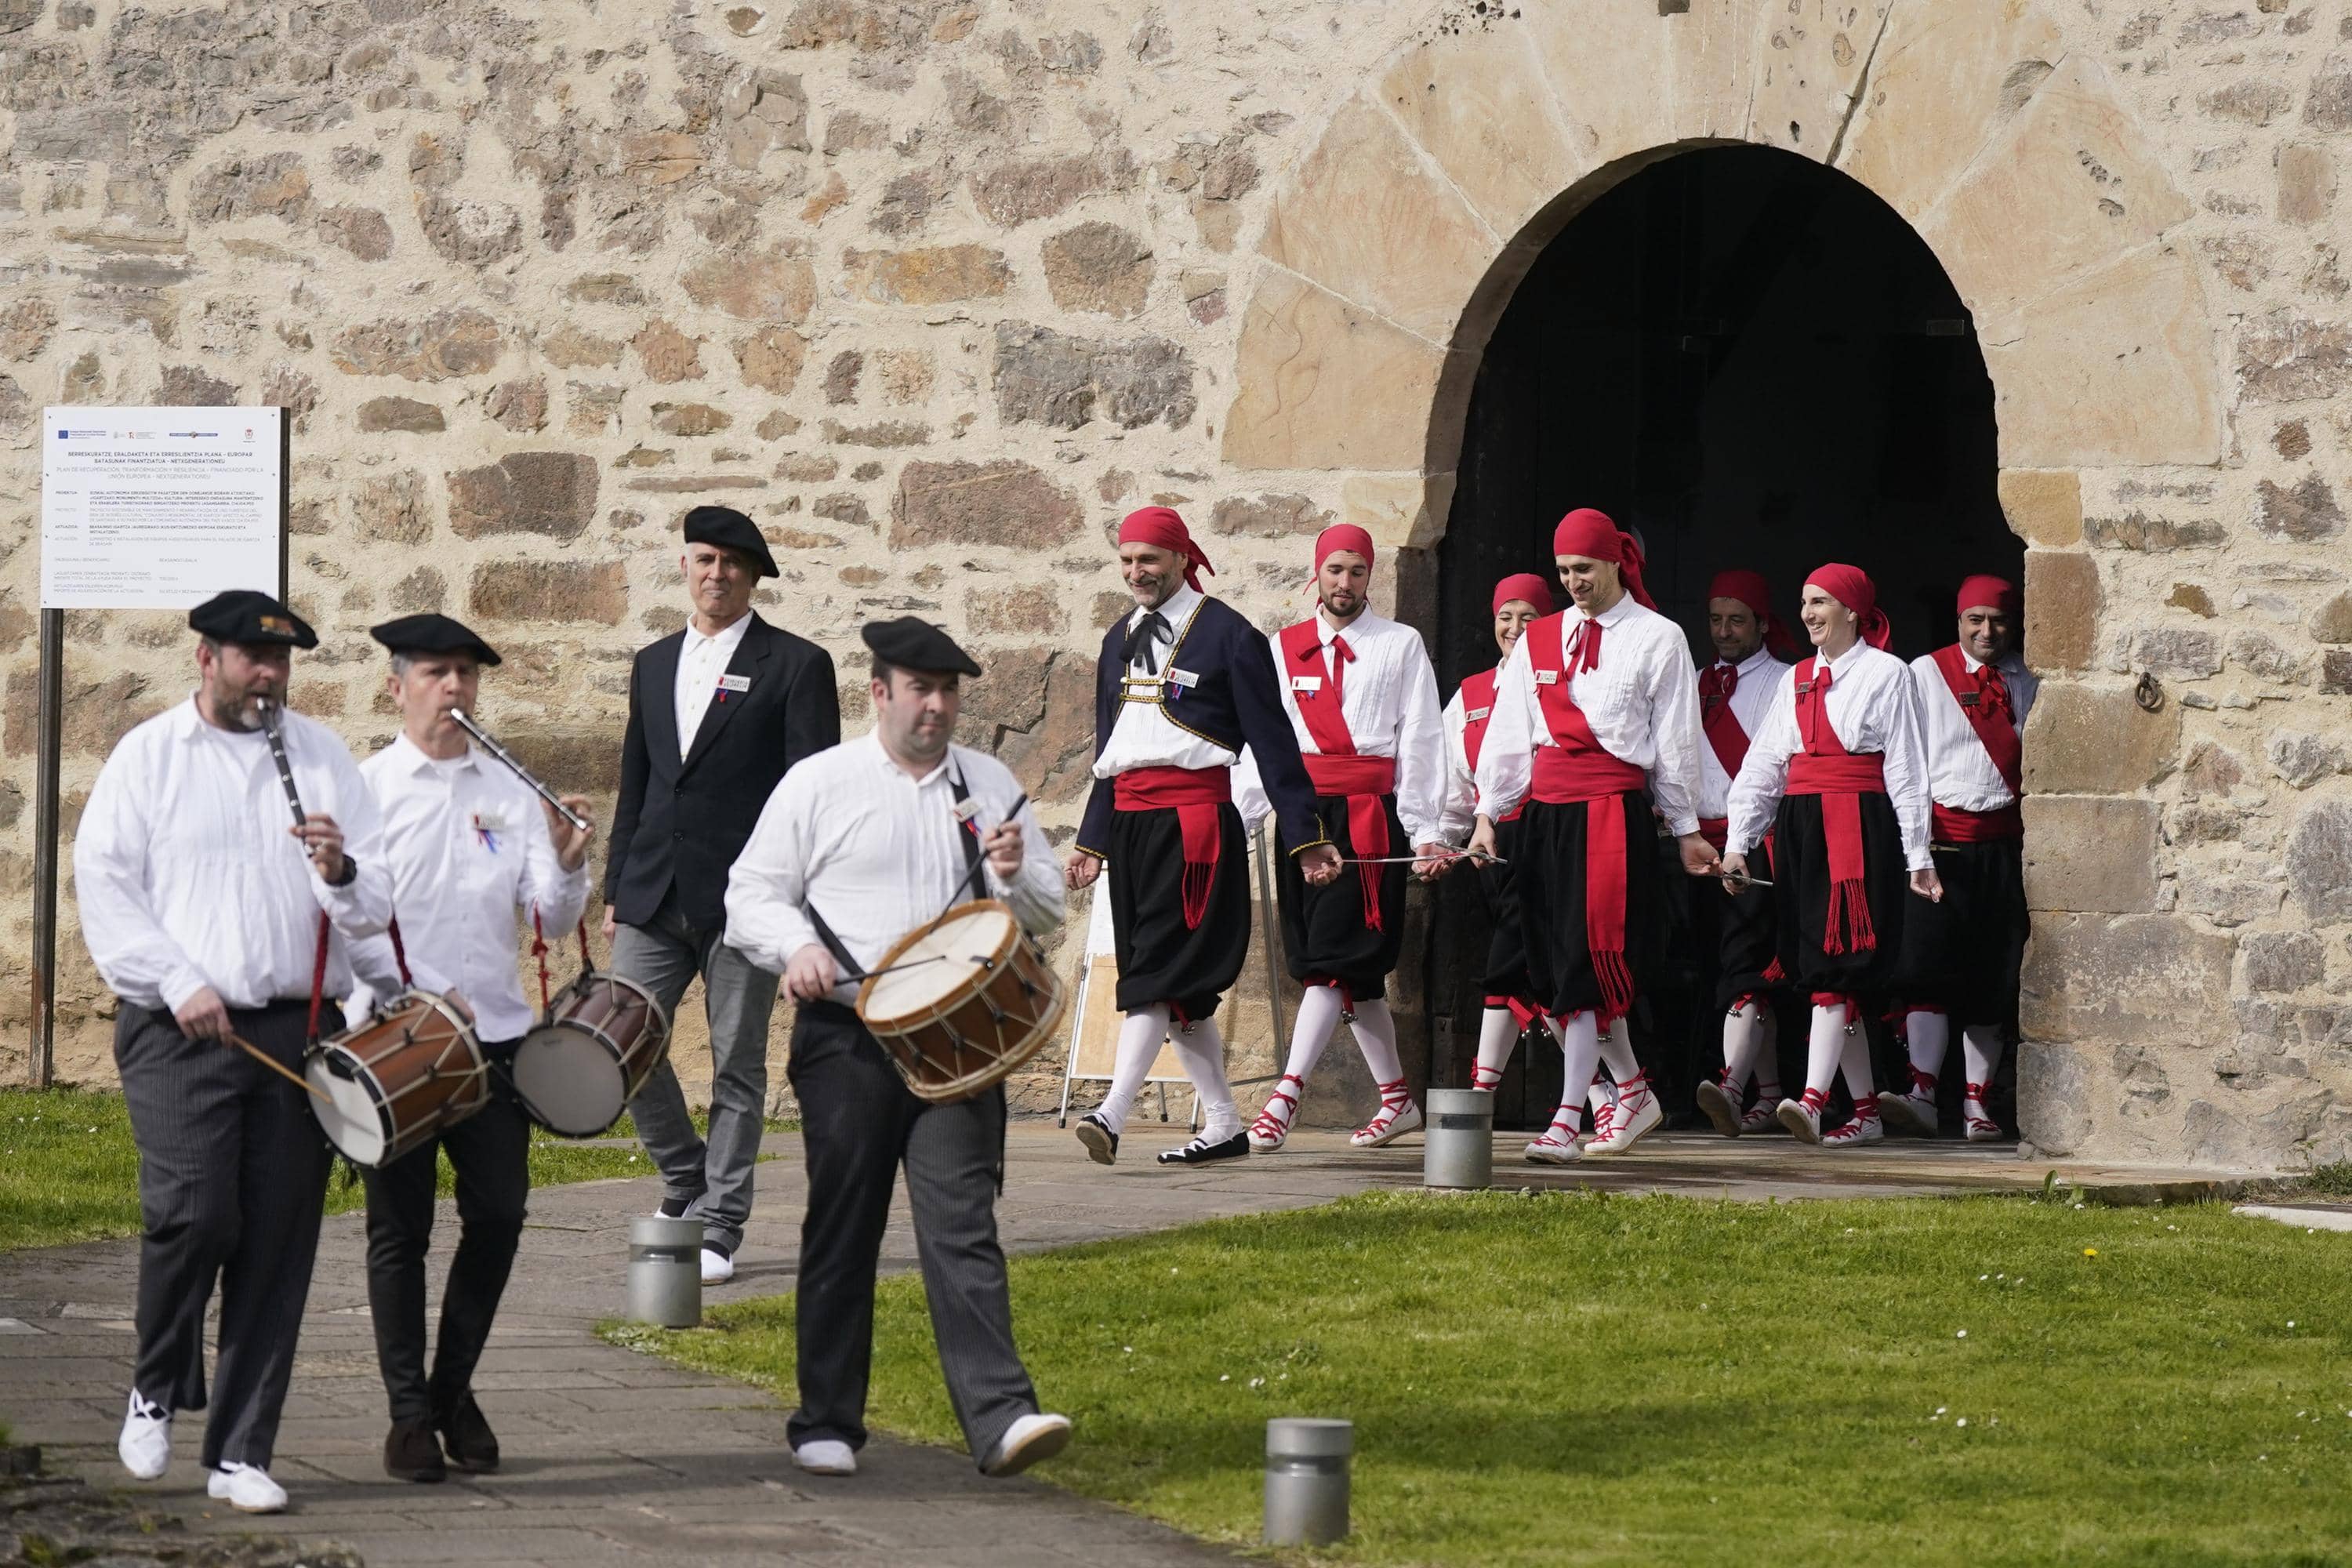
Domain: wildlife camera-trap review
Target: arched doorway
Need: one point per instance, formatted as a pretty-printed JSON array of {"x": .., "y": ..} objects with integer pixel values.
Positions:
[{"x": 1749, "y": 360}]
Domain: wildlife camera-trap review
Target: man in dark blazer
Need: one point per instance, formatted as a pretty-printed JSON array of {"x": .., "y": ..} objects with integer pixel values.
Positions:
[{"x": 718, "y": 711}]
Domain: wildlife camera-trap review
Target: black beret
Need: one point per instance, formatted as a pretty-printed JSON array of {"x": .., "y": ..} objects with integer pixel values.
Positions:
[
  {"x": 912, "y": 644},
  {"x": 433, "y": 633},
  {"x": 723, "y": 525},
  {"x": 242, "y": 616}
]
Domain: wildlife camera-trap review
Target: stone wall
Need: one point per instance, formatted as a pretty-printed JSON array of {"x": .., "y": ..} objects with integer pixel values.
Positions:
[{"x": 937, "y": 289}]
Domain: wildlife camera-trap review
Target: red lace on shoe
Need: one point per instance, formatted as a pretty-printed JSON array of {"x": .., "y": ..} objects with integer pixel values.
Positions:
[
  {"x": 1269, "y": 1125},
  {"x": 1484, "y": 1076},
  {"x": 1562, "y": 1133},
  {"x": 1866, "y": 1110},
  {"x": 1922, "y": 1085},
  {"x": 1815, "y": 1100},
  {"x": 1977, "y": 1119},
  {"x": 1394, "y": 1103}
]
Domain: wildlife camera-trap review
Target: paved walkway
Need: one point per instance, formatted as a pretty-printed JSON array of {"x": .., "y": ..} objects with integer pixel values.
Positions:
[{"x": 610, "y": 1454}]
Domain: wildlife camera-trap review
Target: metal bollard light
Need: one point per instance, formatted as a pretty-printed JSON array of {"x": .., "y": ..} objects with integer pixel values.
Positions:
[
  {"x": 1306, "y": 1479},
  {"x": 1458, "y": 1145},
  {"x": 666, "y": 1271}
]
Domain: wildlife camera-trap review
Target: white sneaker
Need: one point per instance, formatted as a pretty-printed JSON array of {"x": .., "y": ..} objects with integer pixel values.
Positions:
[
  {"x": 1025, "y": 1442},
  {"x": 245, "y": 1487},
  {"x": 1636, "y": 1115},
  {"x": 718, "y": 1267},
  {"x": 145, "y": 1445},
  {"x": 826, "y": 1456},
  {"x": 1908, "y": 1113}
]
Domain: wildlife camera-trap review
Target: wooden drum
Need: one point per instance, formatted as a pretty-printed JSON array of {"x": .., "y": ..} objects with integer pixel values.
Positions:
[
  {"x": 966, "y": 1001},
  {"x": 413, "y": 1070},
  {"x": 601, "y": 1040}
]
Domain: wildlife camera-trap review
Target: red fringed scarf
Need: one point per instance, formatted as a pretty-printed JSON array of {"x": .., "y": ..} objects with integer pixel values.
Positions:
[
  {"x": 1195, "y": 795},
  {"x": 1333, "y": 765},
  {"x": 1840, "y": 778},
  {"x": 1576, "y": 768}
]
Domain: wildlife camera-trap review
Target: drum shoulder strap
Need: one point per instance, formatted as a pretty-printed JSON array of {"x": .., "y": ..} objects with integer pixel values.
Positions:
[
  {"x": 850, "y": 968},
  {"x": 965, "y": 831}
]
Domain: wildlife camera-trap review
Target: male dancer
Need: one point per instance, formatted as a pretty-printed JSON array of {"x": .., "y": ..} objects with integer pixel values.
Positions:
[
  {"x": 1362, "y": 702},
  {"x": 1597, "y": 711},
  {"x": 1734, "y": 693},
  {"x": 1511, "y": 1007},
  {"x": 469, "y": 846},
  {"x": 1182, "y": 685},
  {"x": 1961, "y": 957}
]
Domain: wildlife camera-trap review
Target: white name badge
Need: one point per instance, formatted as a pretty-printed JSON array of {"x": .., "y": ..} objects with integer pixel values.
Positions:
[
  {"x": 966, "y": 809},
  {"x": 1476, "y": 713},
  {"x": 1547, "y": 678},
  {"x": 1183, "y": 677},
  {"x": 1306, "y": 683},
  {"x": 734, "y": 683}
]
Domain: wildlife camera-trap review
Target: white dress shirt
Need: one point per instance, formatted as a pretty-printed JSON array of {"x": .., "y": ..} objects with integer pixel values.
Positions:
[
  {"x": 700, "y": 662},
  {"x": 1961, "y": 774},
  {"x": 1388, "y": 698},
  {"x": 1760, "y": 677},
  {"x": 1642, "y": 702},
  {"x": 877, "y": 853},
  {"x": 1460, "y": 813},
  {"x": 1143, "y": 736},
  {"x": 1874, "y": 706},
  {"x": 468, "y": 846},
  {"x": 187, "y": 877}
]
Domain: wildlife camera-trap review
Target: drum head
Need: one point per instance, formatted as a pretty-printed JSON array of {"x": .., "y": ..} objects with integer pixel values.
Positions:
[
  {"x": 570, "y": 1080},
  {"x": 939, "y": 965},
  {"x": 353, "y": 1120}
]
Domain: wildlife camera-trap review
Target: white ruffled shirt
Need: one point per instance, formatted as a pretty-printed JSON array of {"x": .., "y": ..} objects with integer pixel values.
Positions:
[{"x": 1874, "y": 706}]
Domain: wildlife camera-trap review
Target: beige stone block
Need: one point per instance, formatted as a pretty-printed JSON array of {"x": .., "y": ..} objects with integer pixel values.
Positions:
[
  {"x": 1401, "y": 511},
  {"x": 2116, "y": 368},
  {"x": 2128, "y": 977},
  {"x": 1589, "y": 54},
  {"x": 1364, "y": 217},
  {"x": 2091, "y": 853},
  {"x": 1712, "y": 58},
  {"x": 2096, "y": 739},
  {"x": 2306, "y": 184},
  {"x": 2062, "y": 609},
  {"x": 2073, "y": 185},
  {"x": 2043, "y": 506},
  {"x": 1481, "y": 108},
  {"x": 1322, "y": 383},
  {"x": 1808, "y": 63},
  {"x": 1949, "y": 78}
]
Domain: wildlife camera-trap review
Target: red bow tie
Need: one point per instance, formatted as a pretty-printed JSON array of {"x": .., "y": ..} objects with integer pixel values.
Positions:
[{"x": 1719, "y": 682}]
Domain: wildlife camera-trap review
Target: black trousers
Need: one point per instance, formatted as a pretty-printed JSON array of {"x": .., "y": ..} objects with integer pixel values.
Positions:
[
  {"x": 858, "y": 1123},
  {"x": 1506, "y": 947},
  {"x": 232, "y": 1178},
  {"x": 1965, "y": 954},
  {"x": 1324, "y": 931},
  {"x": 490, "y": 1152},
  {"x": 1800, "y": 874},
  {"x": 1550, "y": 885},
  {"x": 1162, "y": 958}
]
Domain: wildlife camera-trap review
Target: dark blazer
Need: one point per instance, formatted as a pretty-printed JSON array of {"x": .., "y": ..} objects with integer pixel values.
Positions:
[
  {"x": 1235, "y": 701},
  {"x": 683, "y": 822}
]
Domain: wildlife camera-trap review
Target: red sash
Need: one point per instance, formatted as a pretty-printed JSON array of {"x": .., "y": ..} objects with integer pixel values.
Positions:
[
  {"x": 1715, "y": 685},
  {"x": 1578, "y": 768},
  {"x": 1825, "y": 768},
  {"x": 1985, "y": 703},
  {"x": 1954, "y": 826},
  {"x": 1196, "y": 794},
  {"x": 1338, "y": 770},
  {"x": 1477, "y": 712}
]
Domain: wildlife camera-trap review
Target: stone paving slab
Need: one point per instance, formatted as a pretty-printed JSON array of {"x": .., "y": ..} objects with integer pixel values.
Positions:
[{"x": 613, "y": 1456}]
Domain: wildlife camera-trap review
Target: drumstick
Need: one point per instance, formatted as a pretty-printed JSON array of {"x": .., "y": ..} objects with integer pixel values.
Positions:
[
  {"x": 1416, "y": 859},
  {"x": 280, "y": 1069}
]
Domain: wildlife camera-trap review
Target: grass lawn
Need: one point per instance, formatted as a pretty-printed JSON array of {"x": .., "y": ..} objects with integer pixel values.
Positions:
[
  {"x": 1580, "y": 1379},
  {"x": 68, "y": 1171}
]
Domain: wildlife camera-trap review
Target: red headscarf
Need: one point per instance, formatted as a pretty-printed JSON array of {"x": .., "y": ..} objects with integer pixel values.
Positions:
[
  {"x": 1585, "y": 531},
  {"x": 1984, "y": 589},
  {"x": 1524, "y": 586},
  {"x": 1852, "y": 586},
  {"x": 1159, "y": 525},
  {"x": 1751, "y": 589},
  {"x": 1342, "y": 536}
]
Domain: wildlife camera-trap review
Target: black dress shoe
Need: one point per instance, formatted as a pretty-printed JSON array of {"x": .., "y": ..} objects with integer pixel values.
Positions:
[
  {"x": 473, "y": 1447},
  {"x": 411, "y": 1453},
  {"x": 1200, "y": 1152},
  {"x": 1102, "y": 1144}
]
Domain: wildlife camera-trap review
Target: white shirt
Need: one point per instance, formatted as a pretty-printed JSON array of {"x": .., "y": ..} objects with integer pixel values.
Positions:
[
  {"x": 188, "y": 876},
  {"x": 1388, "y": 698},
  {"x": 467, "y": 845},
  {"x": 1874, "y": 706},
  {"x": 1642, "y": 702},
  {"x": 701, "y": 661},
  {"x": 1760, "y": 677},
  {"x": 1460, "y": 813},
  {"x": 877, "y": 853},
  {"x": 1960, "y": 774},
  {"x": 1143, "y": 736}
]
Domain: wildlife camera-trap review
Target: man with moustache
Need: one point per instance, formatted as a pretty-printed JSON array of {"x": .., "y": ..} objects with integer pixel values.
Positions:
[
  {"x": 1183, "y": 684},
  {"x": 1961, "y": 956},
  {"x": 719, "y": 711}
]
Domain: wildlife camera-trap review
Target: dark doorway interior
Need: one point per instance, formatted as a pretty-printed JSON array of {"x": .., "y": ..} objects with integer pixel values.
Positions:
[{"x": 1748, "y": 359}]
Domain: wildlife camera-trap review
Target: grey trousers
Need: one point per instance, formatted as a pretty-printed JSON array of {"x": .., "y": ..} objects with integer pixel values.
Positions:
[
  {"x": 858, "y": 1123},
  {"x": 713, "y": 1177},
  {"x": 232, "y": 1177}
]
